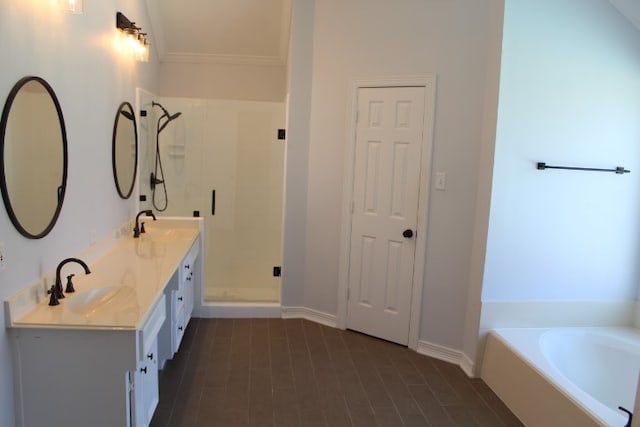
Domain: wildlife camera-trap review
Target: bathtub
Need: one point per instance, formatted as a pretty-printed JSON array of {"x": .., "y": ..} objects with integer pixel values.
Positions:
[{"x": 564, "y": 376}]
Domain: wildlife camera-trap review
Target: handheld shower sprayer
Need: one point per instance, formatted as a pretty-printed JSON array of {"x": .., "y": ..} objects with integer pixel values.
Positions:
[{"x": 157, "y": 176}]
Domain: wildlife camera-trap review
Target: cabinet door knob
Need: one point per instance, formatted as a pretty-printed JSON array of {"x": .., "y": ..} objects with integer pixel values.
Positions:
[
  {"x": 408, "y": 233},
  {"x": 143, "y": 370},
  {"x": 180, "y": 298},
  {"x": 180, "y": 328},
  {"x": 150, "y": 356}
]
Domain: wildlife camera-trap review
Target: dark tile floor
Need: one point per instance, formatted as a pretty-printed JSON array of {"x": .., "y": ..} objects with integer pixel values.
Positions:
[{"x": 274, "y": 372}]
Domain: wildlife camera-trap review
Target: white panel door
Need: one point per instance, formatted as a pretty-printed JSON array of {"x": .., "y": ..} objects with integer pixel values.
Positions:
[{"x": 389, "y": 135}]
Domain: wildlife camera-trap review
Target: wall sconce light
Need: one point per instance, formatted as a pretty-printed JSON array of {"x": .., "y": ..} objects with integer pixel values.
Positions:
[
  {"x": 136, "y": 40},
  {"x": 73, "y": 6}
]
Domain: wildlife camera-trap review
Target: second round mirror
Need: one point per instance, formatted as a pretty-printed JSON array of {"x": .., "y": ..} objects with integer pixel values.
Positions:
[{"x": 125, "y": 150}]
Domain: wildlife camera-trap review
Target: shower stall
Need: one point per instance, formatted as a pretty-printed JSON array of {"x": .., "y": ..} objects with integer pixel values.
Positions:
[{"x": 221, "y": 160}]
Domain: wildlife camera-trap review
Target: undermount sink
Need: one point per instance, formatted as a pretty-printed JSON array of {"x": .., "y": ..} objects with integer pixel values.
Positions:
[
  {"x": 160, "y": 235},
  {"x": 103, "y": 300}
]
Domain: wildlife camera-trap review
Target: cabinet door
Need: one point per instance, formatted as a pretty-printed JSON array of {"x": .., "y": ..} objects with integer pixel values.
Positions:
[{"x": 146, "y": 393}]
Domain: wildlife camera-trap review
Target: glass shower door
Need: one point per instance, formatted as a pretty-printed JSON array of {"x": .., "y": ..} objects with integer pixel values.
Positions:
[{"x": 223, "y": 159}]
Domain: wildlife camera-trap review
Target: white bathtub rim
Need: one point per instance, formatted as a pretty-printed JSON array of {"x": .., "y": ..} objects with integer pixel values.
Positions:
[
  {"x": 593, "y": 407},
  {"x": 623, "y": 345}
]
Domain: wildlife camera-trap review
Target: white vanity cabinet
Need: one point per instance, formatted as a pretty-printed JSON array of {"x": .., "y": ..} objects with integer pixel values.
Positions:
[
  {"x": 93, "y": 360},
  {"x": 144, "y": 381},
  {"x": 145, "y": 395},
  {"x": 88, "y": 377},
  {"x": 180, "y": 297},
  {"x": 184, "y": 296}
]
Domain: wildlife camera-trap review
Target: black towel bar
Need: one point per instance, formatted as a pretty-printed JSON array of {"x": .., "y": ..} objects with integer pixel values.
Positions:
[{"x": 618, "y": 170}]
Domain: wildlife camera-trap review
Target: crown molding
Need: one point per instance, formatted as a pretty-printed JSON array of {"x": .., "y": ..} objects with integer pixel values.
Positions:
[
  {"x": 199, "y": 58},
  {"x": 158, "y": 37}
]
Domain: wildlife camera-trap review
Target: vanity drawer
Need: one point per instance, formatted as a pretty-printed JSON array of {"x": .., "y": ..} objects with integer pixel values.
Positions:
[
  {"x": 178, "y": 329},
  {"x": 178, "y": 300},
  {"x": 188, "y": 291},
  {"x": 186, "y": 272},
  {"x": 148, "y": 333}
]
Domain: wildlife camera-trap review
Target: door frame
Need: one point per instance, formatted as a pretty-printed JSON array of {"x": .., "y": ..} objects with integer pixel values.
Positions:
[{"x": 428, "y": 82}]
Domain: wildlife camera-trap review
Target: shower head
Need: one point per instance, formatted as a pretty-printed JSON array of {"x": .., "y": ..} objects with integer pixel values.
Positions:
[
  {"x": 165, "y": 115},
  {"x": 164, "y": 110}
]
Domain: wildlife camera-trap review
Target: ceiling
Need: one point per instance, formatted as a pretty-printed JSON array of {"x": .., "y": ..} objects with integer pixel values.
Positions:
[
  {"x": 252, "y": 32},
  {"x": 630, "y": 9}
]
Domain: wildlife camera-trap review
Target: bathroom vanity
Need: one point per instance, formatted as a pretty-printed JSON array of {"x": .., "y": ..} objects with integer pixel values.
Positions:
[{"x": 94, "y": 359}]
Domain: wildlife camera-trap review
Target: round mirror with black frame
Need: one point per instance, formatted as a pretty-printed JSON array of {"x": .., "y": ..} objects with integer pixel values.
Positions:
[
  {"x": 33, "y": 157},
  {"x": 125, "y": 150}
]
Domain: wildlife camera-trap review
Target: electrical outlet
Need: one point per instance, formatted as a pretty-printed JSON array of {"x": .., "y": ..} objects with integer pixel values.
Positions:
[{"x": 3, "y": 256}]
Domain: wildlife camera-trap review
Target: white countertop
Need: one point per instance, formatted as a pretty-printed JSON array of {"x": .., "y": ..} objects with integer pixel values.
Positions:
[{"x": 124, "y": 285}]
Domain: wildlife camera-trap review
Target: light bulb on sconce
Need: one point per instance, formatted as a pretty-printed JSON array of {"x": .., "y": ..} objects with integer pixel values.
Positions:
[
  {"x": 136, "y": 41},
  {"x": 73, "y": 6},
  {"x": 142, "y": 48}
]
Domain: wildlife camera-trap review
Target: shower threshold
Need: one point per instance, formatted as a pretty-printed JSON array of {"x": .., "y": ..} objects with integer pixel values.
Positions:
[{"x": 241, "y": 295}]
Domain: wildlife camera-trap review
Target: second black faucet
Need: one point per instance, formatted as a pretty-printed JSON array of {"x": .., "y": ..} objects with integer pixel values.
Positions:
[{"x": 137, "y": 229}]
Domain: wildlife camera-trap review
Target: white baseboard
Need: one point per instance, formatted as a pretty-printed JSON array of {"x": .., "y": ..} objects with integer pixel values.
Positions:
[
  {"x": 468, "y": 366},
  {"x": 440, "y": 352},
  {"x": 238, "y": 310},
  {"x": 309, "y": 314},
  {"x": 447, "y": 354},
  {"x": 245, "y": 310},
  {"x": 274, "y": 310}
]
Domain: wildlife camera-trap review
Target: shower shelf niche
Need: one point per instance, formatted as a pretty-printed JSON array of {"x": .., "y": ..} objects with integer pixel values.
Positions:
[{"x": 177, "y": 150}]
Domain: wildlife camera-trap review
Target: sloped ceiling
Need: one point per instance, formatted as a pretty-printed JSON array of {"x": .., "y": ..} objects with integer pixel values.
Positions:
[
  {"x": 220, "y": 31},
  {"x": 630, "y": 9},
  {"x": 242, "y": 31}
]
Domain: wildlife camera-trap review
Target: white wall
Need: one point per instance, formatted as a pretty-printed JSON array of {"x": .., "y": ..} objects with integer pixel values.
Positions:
[
  {"x": 368, "y": 39},
  {"x": 223, "y": 81},
  {"x": 299, "y": 73},
  {"x": 484, "y": 181},
  {"x": 569, "y": 95},
  {"x": 75, "y": 54}
]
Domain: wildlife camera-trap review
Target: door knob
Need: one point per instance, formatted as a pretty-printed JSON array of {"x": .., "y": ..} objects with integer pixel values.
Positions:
[{"x": 408, "y": 233}]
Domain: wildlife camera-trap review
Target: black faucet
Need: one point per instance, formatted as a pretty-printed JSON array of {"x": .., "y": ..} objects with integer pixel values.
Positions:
[
  {"x": 629, "y": 414},
  {"x": 140, "y": 229},
  {"x": 56, "y": 289}
]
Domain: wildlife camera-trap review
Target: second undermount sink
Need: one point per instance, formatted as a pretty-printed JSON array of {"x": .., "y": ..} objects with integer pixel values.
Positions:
[
  {"x": 102, "y": 300},
  {"x": 163, "y": 235}
]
